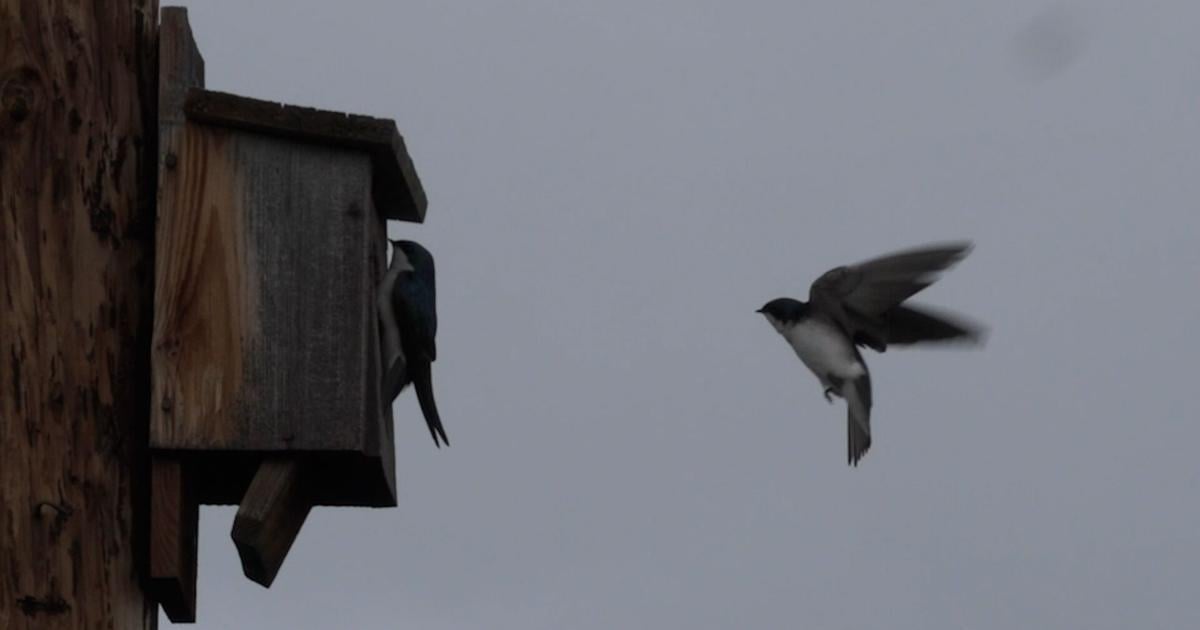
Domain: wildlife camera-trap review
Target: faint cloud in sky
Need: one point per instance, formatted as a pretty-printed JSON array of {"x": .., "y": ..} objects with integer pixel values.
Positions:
[{"x": 1049, "y": 42}]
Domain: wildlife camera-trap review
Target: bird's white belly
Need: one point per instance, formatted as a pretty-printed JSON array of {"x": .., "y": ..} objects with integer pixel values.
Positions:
[{"x": 823, "y": 349}]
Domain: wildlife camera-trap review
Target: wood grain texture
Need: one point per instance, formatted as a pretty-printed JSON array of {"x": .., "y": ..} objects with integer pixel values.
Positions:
[
  {"x": 174, "y": 508},
  {"x": 398, "y": 191},
  {"x": 180, "y": 68},
  {"x": 270, "y": 517},
  {"x": 174, "y": 517},
  {"x": 76, "y": 254},
  {"x": 258, "y": 326},
  {"x": 265, "y": 329}
]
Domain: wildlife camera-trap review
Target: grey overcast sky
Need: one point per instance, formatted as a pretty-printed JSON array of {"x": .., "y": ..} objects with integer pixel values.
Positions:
[{"x": 616, "y": 186}]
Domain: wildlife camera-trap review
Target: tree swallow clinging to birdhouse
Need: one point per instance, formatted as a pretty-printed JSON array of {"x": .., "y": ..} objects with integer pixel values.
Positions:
[
  {"x": 859, "y": 305},
  {"x": 415, "y": 311}
]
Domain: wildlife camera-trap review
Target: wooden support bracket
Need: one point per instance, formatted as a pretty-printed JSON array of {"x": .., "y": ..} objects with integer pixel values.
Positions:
[
  {"x": 175, "y": 515},
  {"x": 270, "y": 516}
]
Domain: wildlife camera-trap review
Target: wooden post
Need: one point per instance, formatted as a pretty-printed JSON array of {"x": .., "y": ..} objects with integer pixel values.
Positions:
[{"x": 77, "y": 177}]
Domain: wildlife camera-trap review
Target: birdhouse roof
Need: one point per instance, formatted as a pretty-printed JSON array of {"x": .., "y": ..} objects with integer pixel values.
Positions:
[{"x": 397, "y": 190}]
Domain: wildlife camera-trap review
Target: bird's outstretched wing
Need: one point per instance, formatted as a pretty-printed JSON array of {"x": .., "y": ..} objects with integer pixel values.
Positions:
[
  {"x": 908, "y": 324},
  {"x": 858, "y": 296}
]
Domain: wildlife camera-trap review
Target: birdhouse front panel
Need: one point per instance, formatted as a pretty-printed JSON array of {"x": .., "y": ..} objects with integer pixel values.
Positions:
[{"x": 266, "y": 337}]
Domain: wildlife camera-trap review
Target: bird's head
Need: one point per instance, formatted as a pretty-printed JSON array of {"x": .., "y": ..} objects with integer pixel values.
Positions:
[
  {"x": 417, "y": 255},
  {"x": 782, "y": 312}
]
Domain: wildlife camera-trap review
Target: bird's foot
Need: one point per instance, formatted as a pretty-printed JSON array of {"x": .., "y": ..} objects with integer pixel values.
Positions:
[{"x": 828, "y": 396}]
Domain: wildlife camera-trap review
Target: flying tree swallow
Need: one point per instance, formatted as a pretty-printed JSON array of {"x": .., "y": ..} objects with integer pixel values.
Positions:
[
  {"x": 860, "y": 305},
  {"x": 413, "y": 306}
]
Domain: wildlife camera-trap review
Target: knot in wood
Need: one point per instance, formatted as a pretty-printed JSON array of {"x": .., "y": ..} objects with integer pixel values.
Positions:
[
  {"x": 20, "y": 93},
  {"x": 60, "y": 511},
  {"x": 53, "y": 605}
]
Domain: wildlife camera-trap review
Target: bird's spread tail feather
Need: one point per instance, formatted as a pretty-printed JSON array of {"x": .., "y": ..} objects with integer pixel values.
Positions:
[
  {"x": 423, "y": 383},
  {"x": 857, "y": 393}
]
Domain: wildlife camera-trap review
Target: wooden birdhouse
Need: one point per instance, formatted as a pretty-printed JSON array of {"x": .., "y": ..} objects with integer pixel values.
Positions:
[{"x": 267, "y": 366}]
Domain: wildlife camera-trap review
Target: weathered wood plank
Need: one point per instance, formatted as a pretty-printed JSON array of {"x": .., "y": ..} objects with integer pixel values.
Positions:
[
  {"x": 180, "y": 67},
  {"x": 174, "y": 519},
  {"x": 174, "y": 511},
  {"x": 261, "y": 312},
  {"x": 76, "y": 249},
  {"x": 204, "y": 304},
  {"x": 398, "y": 191},
  {"x": 270, "y": 517},
  {"x": 307, "y": 213}
]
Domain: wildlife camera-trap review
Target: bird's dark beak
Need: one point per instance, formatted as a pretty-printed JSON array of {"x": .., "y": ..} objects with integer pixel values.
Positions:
[{"x": 758, "y": 310}]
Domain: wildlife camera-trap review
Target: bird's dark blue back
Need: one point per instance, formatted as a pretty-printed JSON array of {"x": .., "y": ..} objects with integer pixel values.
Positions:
[{"x": 417, "y": 307}]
